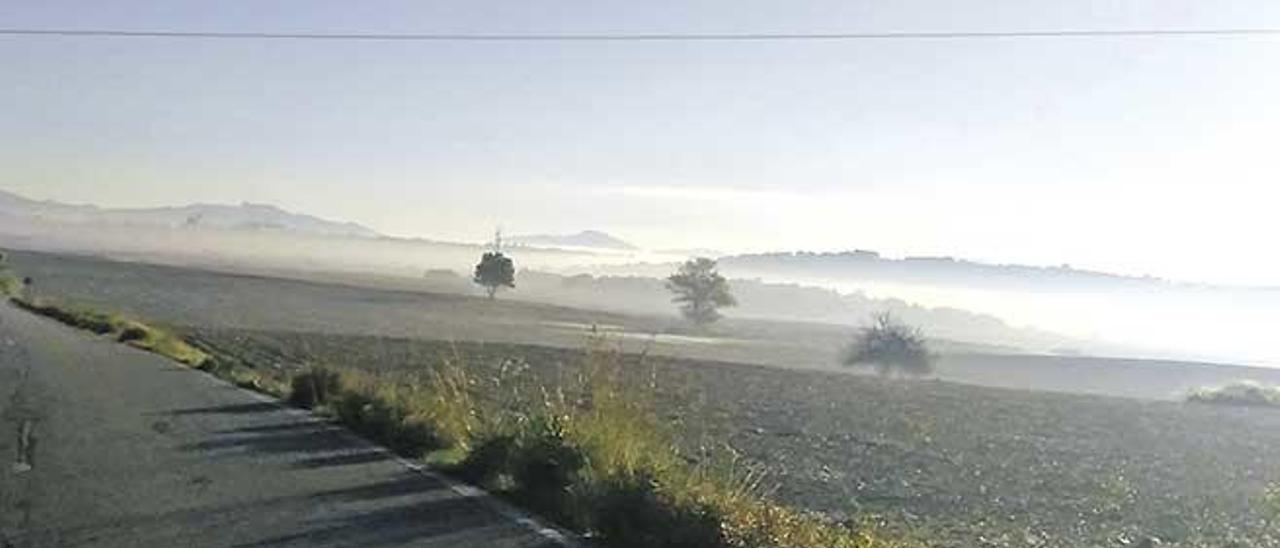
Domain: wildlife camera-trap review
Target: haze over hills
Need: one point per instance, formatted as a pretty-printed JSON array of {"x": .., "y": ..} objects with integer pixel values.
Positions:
[
  {"x": 862, "y": 264},
  {"x": 554, "y": 268},
  {"x": 857, "y": 264},
  {"x": 246, "y": 216},
  {"x": 1019, "y": 305},
  {"x": 590, "y": 239}
]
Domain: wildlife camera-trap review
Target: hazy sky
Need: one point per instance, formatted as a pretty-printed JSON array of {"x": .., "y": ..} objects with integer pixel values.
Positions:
[{"x": 1155, "y": 155}]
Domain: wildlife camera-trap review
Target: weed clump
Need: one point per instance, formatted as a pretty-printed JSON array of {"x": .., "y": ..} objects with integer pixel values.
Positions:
[{"x": 410, "y": 416}]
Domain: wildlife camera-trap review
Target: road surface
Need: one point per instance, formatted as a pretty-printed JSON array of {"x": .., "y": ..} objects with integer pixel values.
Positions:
[{"x": 105, "y": 445}]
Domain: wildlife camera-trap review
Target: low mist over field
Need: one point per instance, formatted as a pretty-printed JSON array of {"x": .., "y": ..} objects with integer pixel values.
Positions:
[{"x": 1023, "y": 308}]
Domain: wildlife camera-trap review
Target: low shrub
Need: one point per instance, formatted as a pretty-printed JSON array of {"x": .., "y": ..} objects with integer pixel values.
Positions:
[
  {"x": 1242, "y": 393},
  {"x": 633, "y": 512},
  {"x": 314, "y": 387},
  {"x": 489, "y": 463}
]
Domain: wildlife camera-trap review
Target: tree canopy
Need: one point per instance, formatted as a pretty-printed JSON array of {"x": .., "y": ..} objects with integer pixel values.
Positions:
[
  {"x": 889, "y": 346},
  {"x": 494, "y": 272},
  {"x": 700, "y": 290}
]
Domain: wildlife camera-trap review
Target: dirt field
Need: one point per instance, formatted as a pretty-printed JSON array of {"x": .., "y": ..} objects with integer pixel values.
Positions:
[
  {"x": 970, "y": 465},
  {"x": 389, "y": 307},
  {"x": 951, "y": 462}
]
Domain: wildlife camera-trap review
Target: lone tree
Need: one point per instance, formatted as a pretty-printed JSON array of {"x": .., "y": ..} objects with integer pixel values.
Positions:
[
  {"x": 700, "y": 290},
  {"x": 889, "y": 346},
  {"x": 494, "y": 272}
]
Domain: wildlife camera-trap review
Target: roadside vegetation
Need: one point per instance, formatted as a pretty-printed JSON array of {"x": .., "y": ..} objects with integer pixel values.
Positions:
[
  {"x": 587, "y": 453},
  {"x": 11, "y": 285},
  {"x": 132, "y": 332},
  {"x": 129, "y": 331}
]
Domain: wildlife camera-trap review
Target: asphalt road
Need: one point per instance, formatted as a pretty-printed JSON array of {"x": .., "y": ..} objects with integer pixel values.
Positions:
[{"x": 104, "y": 445}]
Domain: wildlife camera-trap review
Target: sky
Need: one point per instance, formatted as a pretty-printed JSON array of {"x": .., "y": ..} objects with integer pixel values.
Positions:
[{"x": 1133, "y": 155}]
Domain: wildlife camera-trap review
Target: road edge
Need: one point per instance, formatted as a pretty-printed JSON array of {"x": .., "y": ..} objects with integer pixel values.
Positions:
[{"x": 489, "y": 500}]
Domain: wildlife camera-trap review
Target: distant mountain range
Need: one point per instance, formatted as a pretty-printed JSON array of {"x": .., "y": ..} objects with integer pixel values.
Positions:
[
  {"x": 246, "y": 216},
  {"x": 592, "y": 239}
]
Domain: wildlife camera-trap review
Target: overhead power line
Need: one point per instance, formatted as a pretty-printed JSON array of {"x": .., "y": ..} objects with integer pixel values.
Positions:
[{"x": 647, "y": 37}]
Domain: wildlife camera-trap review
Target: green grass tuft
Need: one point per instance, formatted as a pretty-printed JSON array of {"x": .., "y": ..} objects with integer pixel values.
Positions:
[
  {"x": 134, "y": 333},
  {"x": 11, "y": 285}
]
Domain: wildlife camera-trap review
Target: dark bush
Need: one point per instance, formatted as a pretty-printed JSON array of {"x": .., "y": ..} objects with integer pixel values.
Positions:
[
  {"x": 216, "y": 365},
  {"x": 630, "y": 513},
  {"x": 133, "y": 333},
  {"x": 889, "y": 346},
  {"x": 489, "y": 459},
  {"x": 385, "y": 421},
  {"x": 536, "y": 465},
  {"x": 314, "y": 387},
  {"x": 349, "y": 408},
  {"x": 545, "y": 469},
  {"x": 411, "y": 437},
  {"x": 547, "y": 462}
]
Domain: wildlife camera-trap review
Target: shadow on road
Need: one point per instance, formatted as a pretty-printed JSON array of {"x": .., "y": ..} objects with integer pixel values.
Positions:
[
  {"x": 317, "y": 439},
  {"x": 429, "y": 523},
  {"x": 231, "y": 409},
  {"x": 345, "y": 459},
  {"x": 407, "y": 509}
]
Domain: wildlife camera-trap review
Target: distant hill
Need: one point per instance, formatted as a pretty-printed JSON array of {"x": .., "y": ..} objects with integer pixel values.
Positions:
[
  {"x": 691, "y": 252},
  {"x": 246, "y": 216},
  {"x": 941, "y": 271},
  {"x": 593, "y": 239}
]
